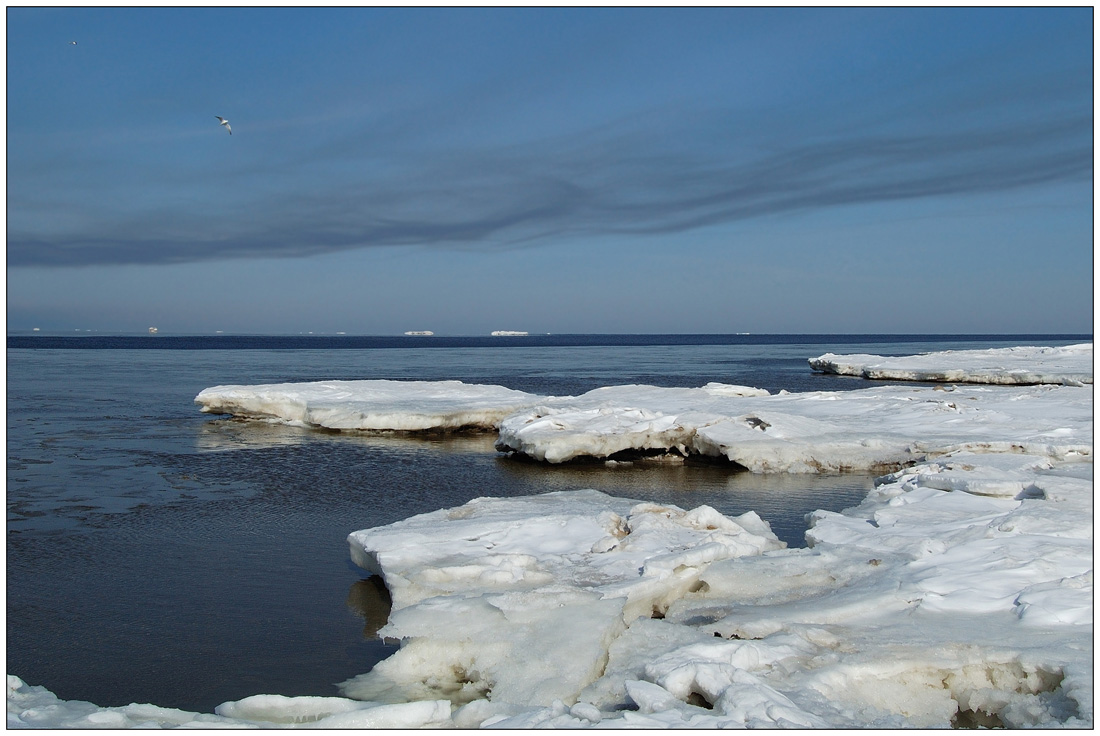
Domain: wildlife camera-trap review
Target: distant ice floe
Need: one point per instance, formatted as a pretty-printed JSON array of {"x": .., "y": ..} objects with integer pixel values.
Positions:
[
  {"x": 370, "y": 405},
  {"x": 1071, "y": 365}
]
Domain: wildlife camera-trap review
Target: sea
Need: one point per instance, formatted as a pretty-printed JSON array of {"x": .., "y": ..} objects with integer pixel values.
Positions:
[{"x": 156, "y": 554}]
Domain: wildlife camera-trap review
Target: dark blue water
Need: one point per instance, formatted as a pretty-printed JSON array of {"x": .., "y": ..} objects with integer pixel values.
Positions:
[
  {"x": 157, "y": 554},
  {"x": 97, "y": 341}
]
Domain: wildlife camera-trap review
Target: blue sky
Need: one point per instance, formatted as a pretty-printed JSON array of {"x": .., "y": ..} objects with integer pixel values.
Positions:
[{"x": 705, "y": 170}]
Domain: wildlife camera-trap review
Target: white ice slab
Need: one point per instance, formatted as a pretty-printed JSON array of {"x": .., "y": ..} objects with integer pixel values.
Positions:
[
  {"x": 879, "y": 428},
  {"x": 917, "y": 605},
  {"x": 1071, "y": 365},
  {"x": 534, "y": 589},
  {"x": 370, "y": 405}
]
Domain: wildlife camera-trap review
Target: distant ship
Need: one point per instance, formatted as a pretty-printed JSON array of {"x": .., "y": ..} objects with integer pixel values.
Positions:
[
  {"x": 152, "y": 330},
  {"x": 508, "y": 333},
  {"x": 425, "y": 333}
]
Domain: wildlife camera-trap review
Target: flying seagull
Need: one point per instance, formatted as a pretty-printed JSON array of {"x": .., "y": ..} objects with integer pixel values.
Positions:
[
  {"x": 72, "y": 43},
  {"x": 225, "y": 123}
]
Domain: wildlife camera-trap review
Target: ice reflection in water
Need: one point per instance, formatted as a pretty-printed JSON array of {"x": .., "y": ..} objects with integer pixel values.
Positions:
[{"x": 370, "y": 600}]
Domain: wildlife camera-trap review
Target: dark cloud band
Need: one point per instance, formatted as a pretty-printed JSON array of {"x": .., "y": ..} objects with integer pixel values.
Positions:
[{"x": 603, "y": 186}]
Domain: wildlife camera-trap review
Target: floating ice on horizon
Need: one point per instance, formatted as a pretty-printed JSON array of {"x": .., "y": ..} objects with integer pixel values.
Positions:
[{"x": 1070, "y": 365}]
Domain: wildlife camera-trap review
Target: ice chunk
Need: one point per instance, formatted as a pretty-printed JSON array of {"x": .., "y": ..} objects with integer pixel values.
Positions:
[
  {"x": 371, "y": 405},
  {"x": 1071, "y": 365},
  {"x": 519, "y": 598},
  {"x": 872, "y": 429}
]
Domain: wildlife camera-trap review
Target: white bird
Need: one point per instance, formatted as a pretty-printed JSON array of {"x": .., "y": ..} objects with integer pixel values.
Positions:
[
  {"x": 72, "y": 43},
  {"x": 225, "y": 123}
]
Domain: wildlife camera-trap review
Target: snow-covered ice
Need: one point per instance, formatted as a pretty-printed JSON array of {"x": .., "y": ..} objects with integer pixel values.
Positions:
[
  {"x": 958, "y": 593},
  {"x": 921, "y": 607},
  {"x": 537, "y": 586},
  {"x": 879, "y": 428},
  {"x": 1070, "y": 365},
  {"x": 369, "y": 404}
]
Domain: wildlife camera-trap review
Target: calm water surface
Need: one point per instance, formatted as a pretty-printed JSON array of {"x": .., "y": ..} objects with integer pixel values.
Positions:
[{"x": 157, "y": 554}]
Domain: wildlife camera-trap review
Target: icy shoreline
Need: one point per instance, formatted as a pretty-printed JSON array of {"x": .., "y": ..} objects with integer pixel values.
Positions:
[{"x": 958, "y": 593}]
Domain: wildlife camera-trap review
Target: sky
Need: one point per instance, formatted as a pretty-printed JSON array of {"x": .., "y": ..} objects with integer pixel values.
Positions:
[{"x": 553, "y": 170}]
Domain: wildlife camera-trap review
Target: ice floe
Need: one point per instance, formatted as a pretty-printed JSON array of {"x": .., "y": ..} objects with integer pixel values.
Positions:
[
  {"x": 1070, "y": 365},
  {"x": 922, "y": 607},
  {"x": 879, "y": 428},
  {"x": 537, "y": 586},
  {"x": 369, "y": 404}
]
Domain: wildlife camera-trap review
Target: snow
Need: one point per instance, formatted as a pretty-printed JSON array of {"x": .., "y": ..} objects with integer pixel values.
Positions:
[
  {"x": 369, "y": 405},
  {"x": 1071, "y": 365},
  {"x": 959, "y": 592},
  {"x": 879, "y": 428},
  {"x": 534, "y": 589},
  {"x": 917, "y": 605}
]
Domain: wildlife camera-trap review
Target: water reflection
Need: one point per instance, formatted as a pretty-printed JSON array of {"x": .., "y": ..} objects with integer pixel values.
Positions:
[
  {"x": 219, "y": 435},
  {"x": 781, "y": 499},
  {"x": 370, "y": 600}
]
